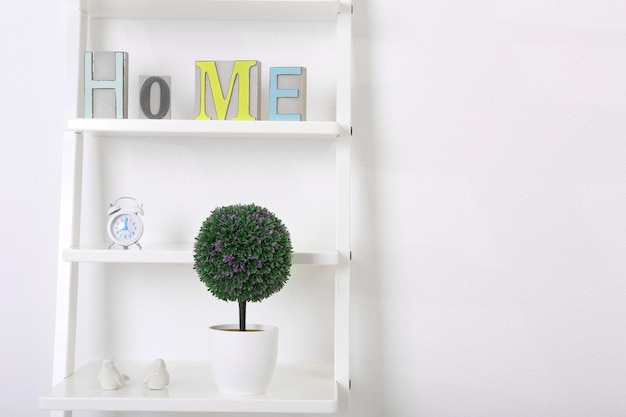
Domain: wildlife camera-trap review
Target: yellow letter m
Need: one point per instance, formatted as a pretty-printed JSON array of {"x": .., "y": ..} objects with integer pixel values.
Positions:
[{"x": 237, "y": 100}]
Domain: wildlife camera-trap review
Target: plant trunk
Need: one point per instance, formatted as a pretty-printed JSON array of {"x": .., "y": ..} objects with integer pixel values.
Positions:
[{"x": 242, "y": 316}]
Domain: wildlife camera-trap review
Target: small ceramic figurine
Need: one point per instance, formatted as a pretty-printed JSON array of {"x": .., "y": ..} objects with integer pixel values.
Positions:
[
  {"x": 157, "y": 377},
  {"x": 109, "y": 377}
]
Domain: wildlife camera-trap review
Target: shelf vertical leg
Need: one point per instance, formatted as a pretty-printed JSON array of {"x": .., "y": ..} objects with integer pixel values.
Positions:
[
  {"x": 67, "y": 278},
  {"x": 342, "y": 272},
  {"x": 71, "y": 187}
]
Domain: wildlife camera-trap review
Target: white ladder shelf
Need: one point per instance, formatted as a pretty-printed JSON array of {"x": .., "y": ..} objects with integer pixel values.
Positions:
[{"x": 301, "y": 387}]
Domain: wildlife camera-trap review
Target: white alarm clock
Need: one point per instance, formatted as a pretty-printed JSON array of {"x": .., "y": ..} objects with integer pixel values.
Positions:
[{"x": 125, "y": 227}]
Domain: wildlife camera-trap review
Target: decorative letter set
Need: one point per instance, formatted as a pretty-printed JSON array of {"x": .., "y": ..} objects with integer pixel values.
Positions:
[{"x": 225, "y": 90}]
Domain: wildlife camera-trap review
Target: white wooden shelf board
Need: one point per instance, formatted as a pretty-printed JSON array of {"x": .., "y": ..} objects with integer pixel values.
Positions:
[
  {"x": 176, "y": 253},
  {"x": 295, "y": 388},
  {"x": 205, "y": 128},
  {"x": 304, "y": 10}
]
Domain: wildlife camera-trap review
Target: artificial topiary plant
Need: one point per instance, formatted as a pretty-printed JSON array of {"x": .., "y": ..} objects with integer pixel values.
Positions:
[{"x": 243, "y": 253}]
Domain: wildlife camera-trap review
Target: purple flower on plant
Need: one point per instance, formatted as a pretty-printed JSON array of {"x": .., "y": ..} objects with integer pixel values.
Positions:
[{"x": 243, "y": 253}]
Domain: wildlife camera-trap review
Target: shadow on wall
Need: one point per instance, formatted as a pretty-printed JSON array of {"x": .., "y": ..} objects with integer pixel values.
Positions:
[{"x": 367, "y": 330}]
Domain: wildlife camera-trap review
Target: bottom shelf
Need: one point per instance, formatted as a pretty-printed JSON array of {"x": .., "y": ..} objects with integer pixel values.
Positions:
[{"x": 295, "y": 388}]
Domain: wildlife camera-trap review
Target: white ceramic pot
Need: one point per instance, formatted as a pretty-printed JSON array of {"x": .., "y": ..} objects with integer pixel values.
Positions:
[{"x": 243, "y": 362}]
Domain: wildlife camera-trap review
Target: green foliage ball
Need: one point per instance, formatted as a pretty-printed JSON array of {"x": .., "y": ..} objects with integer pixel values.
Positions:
[{"x": 243, "y": 253}]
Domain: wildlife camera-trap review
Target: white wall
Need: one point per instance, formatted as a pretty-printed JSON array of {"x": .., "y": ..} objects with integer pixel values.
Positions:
[
  {"x": 489, "y": 231},
  {"x": 31, "y": 113},
  {"x": 489, "y": 212}
]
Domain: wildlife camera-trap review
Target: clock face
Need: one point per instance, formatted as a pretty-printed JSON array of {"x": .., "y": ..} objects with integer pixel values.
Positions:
[{"x": 125, "y": 228}]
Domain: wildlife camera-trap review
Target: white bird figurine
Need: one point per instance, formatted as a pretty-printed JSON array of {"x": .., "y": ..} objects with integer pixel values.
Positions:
[
  {"x": 157, "y": 377},
  {"x": 109, "y": 377}
]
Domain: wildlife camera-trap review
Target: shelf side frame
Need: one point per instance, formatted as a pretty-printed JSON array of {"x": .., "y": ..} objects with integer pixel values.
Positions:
[
  {"x": 70, "y": 206},
  {"x": 343, "y": 149}
]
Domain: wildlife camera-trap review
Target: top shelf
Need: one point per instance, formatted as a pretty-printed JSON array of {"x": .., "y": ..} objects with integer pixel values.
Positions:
[{"x": 303, "y": 10}]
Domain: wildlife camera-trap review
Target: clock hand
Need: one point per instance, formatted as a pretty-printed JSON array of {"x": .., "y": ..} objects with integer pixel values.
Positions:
[{"x": 125, "y": 225}]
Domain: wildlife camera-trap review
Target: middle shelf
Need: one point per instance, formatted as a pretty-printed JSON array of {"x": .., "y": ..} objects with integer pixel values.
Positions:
[
  {"x": 204, "y": 128},
  {"x": 176, "y": 253}
]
